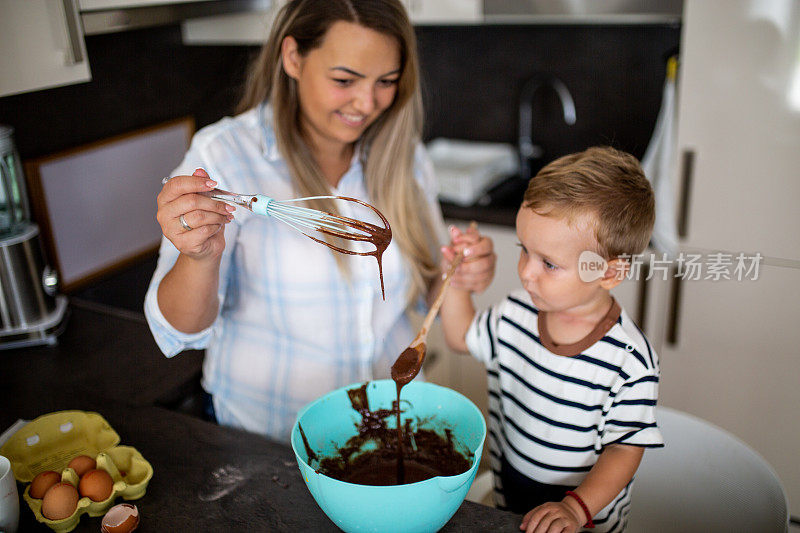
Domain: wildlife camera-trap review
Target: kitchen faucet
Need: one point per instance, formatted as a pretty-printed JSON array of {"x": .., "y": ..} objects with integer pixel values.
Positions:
[{"x": 528, "y": 150}]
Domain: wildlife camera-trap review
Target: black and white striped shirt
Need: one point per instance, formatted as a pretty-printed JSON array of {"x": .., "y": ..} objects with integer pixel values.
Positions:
[{"x": 552, "y": 409}]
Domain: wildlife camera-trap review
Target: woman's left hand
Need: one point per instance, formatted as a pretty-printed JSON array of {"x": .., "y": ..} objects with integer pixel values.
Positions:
[{"x": 476, "y": 271}]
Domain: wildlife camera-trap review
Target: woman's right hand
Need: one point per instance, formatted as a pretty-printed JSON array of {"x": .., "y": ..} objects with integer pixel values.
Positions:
[{"x": 206, "y": 217}]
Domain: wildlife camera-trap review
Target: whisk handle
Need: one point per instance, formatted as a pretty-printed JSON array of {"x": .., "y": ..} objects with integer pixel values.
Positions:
[
  {"x": 257, "y": 203},
  {"x": 260, "y": 204}
]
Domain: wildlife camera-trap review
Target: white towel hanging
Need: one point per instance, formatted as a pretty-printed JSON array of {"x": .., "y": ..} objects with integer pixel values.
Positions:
[{"x": 657, "y": 164}]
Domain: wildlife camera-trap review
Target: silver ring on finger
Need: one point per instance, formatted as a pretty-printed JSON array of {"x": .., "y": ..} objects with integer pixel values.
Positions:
[{"x": 186, "y": 226}]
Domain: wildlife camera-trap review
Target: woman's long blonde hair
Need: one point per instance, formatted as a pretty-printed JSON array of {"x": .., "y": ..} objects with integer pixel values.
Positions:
[{"x": 388, "y": 145}]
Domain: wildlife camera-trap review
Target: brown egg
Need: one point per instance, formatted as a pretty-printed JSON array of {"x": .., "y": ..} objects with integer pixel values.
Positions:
[
  {"x": 96, "y": 484},
  {"x": 122, "y": 518},
  {"x": 82, "y": 464},
  {"x": 60, "y": 501},
  {"x": 42, "y": 482}
]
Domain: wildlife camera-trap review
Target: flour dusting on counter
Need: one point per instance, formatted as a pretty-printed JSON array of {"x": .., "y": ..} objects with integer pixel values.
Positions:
[{"x": 223, "y": 480}]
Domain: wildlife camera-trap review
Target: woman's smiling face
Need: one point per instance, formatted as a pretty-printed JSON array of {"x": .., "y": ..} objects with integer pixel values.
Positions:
[{"x": 344, "y": 84}]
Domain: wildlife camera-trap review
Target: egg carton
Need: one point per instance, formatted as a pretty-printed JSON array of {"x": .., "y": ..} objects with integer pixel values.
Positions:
[{"x": 49, "y": 443}]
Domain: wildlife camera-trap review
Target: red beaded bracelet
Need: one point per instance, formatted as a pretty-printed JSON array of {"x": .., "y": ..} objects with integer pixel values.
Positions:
[{"x": 589, "y": 524}]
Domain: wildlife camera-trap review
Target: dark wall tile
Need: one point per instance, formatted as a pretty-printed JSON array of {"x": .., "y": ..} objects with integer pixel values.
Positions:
[{"x": 472, "y": 77}]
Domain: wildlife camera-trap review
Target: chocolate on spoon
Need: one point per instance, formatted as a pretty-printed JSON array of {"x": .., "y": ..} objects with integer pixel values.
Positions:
[{"x": 408, "y": 365}]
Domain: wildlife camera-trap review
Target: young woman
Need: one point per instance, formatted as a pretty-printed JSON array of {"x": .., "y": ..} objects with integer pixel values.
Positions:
[{"x": 332, "y": 106}]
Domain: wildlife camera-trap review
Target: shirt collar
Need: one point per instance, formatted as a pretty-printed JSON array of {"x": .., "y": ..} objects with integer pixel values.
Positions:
[{"x": 270, "y": 144}]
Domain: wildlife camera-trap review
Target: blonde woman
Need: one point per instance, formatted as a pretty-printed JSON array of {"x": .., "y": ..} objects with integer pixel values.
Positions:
[{"x": 332, "y": 106}]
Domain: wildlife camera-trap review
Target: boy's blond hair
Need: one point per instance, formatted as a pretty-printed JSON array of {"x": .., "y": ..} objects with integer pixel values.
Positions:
[{"x": 605, "y": 183}]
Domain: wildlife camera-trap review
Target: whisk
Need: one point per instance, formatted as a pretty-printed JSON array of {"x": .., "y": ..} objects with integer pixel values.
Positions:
[{"x": 305, "y": 219}]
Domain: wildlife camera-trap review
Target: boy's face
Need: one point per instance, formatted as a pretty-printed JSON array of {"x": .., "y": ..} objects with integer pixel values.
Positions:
[{"x": 548, "y": 261}]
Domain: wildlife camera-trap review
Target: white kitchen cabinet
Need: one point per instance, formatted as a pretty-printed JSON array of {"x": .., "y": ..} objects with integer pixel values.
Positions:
[
  {"x": 252, "y": 27},
  {"x": 733, "y": 358},
  {"x": 736, "y": 114},
  {"x": 91, "y": 5},
  {"x": 444, "y": 11},
  {"x": 642, "y": 295},
  {"x": 249, "y": 28},
  {"x": 41, "y": 45}
]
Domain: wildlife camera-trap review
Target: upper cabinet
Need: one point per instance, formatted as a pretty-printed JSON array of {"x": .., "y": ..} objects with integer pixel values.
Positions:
[
  {"x": 41, "y": 45},
  {"x": 444, "y": 11},
  {"x": 251, "y": 27},
  {"x": 89, "y": 5},
  {"x": 583, "y": 11}
]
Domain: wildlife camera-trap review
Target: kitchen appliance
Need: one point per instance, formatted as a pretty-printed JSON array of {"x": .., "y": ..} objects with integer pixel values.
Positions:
[
  {"x": 31, "y": 311},
  {"x": 14, "y": 210}
]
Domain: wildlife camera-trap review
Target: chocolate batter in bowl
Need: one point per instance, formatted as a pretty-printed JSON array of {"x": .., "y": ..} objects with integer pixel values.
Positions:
[{"x": 440, "y": 421}]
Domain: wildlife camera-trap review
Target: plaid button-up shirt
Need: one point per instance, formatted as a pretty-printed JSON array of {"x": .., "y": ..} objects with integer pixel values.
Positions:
[{"x": 291, "y": 326}]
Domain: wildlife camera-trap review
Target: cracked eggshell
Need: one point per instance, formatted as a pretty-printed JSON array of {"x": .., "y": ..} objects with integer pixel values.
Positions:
[{"x": 122, "y": 518}]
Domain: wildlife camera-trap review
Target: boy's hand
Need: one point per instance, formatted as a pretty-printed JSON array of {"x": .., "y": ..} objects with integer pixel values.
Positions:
[
  {"x": 477, "y": 269},
  {"x": 552, "y": 517}
]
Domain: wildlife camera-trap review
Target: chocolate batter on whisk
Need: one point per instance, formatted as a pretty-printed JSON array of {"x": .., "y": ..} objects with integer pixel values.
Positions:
[
  {"x": 378, "y": 236},
  {"x": 298, "y": 217}
]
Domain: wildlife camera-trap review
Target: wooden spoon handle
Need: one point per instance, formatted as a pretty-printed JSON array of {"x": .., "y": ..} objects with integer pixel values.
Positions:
[
  {"x": 431, "y": 316},
  {"x": 434, "y": 310}
]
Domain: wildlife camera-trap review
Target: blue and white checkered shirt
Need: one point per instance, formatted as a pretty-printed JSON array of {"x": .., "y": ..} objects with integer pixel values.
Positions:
[{"x": 291, "y": 327}]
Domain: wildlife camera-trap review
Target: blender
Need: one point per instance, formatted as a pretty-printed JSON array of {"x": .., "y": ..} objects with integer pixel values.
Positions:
[{"x": 31, "y": 310}]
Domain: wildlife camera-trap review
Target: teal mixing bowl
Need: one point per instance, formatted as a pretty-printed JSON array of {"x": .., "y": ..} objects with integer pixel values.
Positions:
[{"x": 330, "y": 421}]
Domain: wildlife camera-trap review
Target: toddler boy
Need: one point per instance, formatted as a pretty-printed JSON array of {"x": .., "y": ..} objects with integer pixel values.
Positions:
[{"x": 572, "y": 381}]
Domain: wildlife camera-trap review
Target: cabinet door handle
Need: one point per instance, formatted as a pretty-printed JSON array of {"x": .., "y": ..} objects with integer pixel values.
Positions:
[
  {"x": 641, "y": 312},
  {"x": 673, "y": 315},
  {"x": 687, "y": 170},
  {"x": 74, "y": 33}
]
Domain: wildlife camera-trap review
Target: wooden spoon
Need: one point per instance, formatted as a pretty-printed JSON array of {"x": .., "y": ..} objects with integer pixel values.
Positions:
[{"x": 408, "y": 365}]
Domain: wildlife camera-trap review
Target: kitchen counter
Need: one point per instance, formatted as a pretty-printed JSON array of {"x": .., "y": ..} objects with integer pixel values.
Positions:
[
  {"x": 503, "y": 202},
  {"x": 104, "y": 353},
  {"x": 206, "y": 477}
]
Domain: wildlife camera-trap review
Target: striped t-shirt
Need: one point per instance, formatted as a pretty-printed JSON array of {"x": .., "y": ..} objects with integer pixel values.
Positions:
[{"x": 553, "y": 408}]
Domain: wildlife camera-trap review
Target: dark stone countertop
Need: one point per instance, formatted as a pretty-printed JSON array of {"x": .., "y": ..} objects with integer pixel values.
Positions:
[
  {"x": 103, "y": 353},
  {"x": 206, "y": 477}
]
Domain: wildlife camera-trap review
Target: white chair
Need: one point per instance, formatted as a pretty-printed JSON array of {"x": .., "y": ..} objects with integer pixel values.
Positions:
[{"x": 705, "y": 480}]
